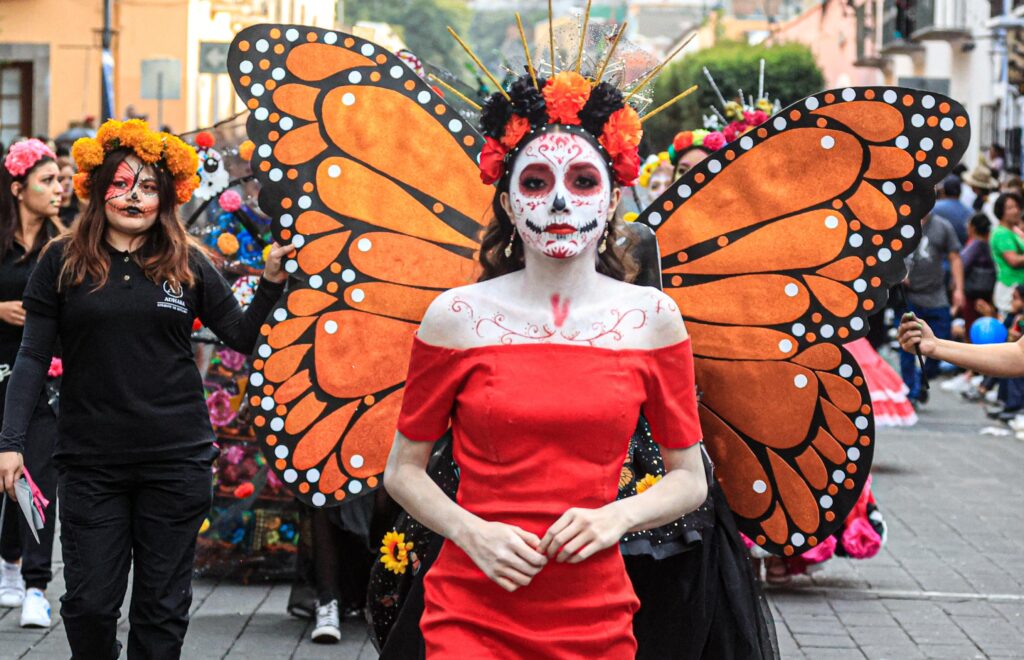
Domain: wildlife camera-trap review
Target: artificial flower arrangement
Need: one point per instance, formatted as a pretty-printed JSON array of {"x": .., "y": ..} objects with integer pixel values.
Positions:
[
  {"x": 567, "y": 99},
  {"x": 152, "y": 147}
]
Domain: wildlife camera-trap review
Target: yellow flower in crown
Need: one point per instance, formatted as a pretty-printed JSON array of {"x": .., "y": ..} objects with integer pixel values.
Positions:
[
  {"x": 87, "y": 152},
  {"x": 733, "y": 111},
  {"x": 182, "y": 160},
  {"x": 150, "y": 146},
  {"x": 645, "y": 483},
  {"x": 394, "y": 551},
  {"x": 108, "y": 132},
  {"x": 765, "y": 106},
  {"x": 132, "y": 132}
]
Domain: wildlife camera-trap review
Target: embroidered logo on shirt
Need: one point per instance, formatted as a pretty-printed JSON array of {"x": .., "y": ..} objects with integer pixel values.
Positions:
[{"x": 173, "y": 298}]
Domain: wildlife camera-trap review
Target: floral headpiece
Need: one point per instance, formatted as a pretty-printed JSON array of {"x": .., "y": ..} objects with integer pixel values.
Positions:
[
  {"x": 151, "y": 147},
  {"x": 585, "y": 105},
  {"x": 740, "y": 114},
  {"x": 567, "y": 99},
  {"x": 23, "y": 156},
  {"x": 651, "y": 165}
]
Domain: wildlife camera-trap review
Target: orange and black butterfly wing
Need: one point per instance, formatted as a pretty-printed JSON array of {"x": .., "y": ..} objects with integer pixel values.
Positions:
[
  {"x": 777, "y": 248},
  {"x": 373, "y": 178}
]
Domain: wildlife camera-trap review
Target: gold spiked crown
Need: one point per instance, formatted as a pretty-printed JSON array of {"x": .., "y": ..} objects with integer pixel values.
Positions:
[{"x": 579, "y": 103}]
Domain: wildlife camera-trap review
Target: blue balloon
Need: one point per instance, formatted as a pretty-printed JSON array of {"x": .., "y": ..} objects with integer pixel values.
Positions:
[{"x": 988, "y": 330}]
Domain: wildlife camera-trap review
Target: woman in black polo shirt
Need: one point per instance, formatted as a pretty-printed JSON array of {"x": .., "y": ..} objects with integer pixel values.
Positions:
[
  {"x": 135, "y": 443},
  {"x": 30, "y": 194}
]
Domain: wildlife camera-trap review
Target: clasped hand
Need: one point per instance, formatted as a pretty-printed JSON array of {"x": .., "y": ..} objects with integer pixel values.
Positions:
[{"x": 512, "y": 557}]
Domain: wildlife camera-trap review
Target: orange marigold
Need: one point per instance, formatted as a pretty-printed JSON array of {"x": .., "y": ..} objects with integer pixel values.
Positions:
[
  {"x": 515, "y": 129},
  {"x": 132, "y": 133},
  {"x": 108, "y": 132},
  {"x": 245, "y": 149},
  {"x": 87, "y": 153},
  {"x": 181, "y": 159},
  {"x": 149, "y": 147},
  {"x": 183, "y": 188},
  {"x": 81, "y": 183},
  {"x": 565, "y": 95},
  {"x": 227, "y": 244},
  {"x": 622, "y": 132}
]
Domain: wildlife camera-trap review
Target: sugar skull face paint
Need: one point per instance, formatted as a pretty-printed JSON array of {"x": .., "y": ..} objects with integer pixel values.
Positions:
[
  {"x": 133, "y": 198},
  {"x": 559, "y": 195}
]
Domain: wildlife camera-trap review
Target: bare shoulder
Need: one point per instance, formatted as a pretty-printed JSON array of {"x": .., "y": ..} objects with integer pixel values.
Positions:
[
  {"x": 445, "y": 322},
  {"x": 665, "y": 324}
]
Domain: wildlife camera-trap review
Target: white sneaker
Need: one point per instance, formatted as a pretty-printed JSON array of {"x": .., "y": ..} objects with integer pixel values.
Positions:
[
  {"x": 958, "y": 383},
  {"x": 12, "y": 587},
  {"x": 1017, "y": 423},
  {"x": 328, "y": 627},
  {"x": 35, "y": 610}
]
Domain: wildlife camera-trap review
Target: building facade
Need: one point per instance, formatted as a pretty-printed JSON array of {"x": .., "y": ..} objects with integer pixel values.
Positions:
[{"x": 169, "y": 58}]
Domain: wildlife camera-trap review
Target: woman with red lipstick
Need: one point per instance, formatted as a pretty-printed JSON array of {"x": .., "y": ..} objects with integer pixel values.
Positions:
[
  {"x": 30, "y": 193},
  {"x": 134, "y": 443},
  {"x": 542, "y": 368}
]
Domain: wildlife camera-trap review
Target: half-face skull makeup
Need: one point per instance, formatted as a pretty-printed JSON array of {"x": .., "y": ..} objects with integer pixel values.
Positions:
[
  {"x": 133, "y": 198},
  {"x": 559, "y": 195}
]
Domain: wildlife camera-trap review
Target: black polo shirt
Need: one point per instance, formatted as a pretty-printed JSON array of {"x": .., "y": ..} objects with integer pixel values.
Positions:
[{"x": 131, "y": 389}]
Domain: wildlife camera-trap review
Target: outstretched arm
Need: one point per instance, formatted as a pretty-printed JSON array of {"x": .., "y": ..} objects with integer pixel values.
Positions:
[{"x": 1004, "y": 360}]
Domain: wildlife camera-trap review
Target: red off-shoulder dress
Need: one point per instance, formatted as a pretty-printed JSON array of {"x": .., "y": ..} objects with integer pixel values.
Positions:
[{"x": 538, "y": 429}]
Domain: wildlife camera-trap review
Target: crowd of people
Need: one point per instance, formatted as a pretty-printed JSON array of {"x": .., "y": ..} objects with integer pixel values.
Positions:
[
  {"x": 98, "y": 276},
  {"x": 967, "y": 273}
]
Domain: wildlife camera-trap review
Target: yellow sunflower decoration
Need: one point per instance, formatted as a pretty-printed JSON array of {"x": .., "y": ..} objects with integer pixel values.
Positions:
[
  {"x": 394, "y": 552},
  {"x": 645, "y": 483}
]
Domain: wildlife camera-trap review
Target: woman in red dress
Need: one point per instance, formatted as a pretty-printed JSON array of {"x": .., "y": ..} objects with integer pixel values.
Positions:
[{"x": 542, "y": 369}]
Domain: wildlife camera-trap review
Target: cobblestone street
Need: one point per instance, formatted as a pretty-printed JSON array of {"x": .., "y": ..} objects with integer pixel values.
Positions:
[{"x": 949, "y": 584}]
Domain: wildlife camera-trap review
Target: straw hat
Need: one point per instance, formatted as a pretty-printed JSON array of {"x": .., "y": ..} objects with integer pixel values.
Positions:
[{"x": 981, "y": 177}]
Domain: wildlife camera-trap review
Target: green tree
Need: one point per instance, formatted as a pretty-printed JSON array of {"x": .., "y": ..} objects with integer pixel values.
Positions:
[
  {"x": 423, "y": 24},
  {"x": 790, "y": 74}
]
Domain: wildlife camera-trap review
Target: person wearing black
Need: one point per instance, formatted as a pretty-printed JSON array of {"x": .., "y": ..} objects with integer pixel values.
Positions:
[
  {"x": 135, "y": 445},
  {"x": 30, "y": 194}
]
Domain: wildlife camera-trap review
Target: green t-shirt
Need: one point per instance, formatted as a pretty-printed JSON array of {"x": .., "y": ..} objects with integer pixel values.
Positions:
[{"x": 1004, "y": 240}]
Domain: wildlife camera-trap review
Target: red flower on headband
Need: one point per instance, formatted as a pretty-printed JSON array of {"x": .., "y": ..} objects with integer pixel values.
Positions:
[
  {"x": 515, "y": 129},
  {"x": 622, "y": 132},
  {"x": 565, "y": 94},
  {"x": 682, "y": 140},
  {"x": 714, "y": 140},
  {"x": 492, "y": 161},
  {"x": 627, "y": 167},
  {"x": 755, "y": 118}
]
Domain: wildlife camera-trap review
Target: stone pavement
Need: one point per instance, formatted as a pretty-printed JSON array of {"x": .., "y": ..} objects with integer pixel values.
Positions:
[{"x": 949, "y": 584}]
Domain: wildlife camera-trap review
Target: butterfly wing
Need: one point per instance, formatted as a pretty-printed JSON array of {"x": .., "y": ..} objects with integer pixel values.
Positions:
[
  {"x": 373, "y": 178},
  {"x": 776, "y": 248}
]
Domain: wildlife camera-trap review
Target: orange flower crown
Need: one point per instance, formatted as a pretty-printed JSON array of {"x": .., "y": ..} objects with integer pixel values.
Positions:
[
  {"x": 584, "y": 105},
  {"x": 152, "y": 147}
]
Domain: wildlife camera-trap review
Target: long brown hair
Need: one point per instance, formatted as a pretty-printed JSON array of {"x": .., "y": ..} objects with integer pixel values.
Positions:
[
  {"x": 615, "y": 262},
  {"x": 163, "y": 256}
]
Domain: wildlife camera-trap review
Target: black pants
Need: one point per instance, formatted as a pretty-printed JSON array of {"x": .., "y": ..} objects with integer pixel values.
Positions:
[
  {"x": 16, "y": 540},
  {"x": 112, "y": 516}
]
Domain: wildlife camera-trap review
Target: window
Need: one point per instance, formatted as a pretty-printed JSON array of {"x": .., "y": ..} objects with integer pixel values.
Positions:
[{"x": 15, "y": 101}]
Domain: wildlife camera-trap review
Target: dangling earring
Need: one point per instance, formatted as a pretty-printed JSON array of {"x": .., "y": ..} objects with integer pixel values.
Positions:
[
  {"x": 511, "y": 240},
  {"x": 604, "y": 242}
]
